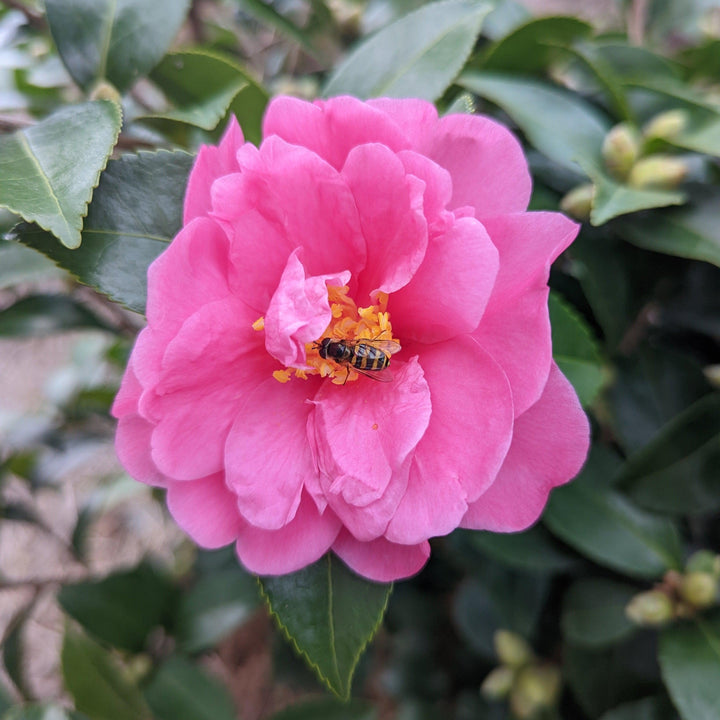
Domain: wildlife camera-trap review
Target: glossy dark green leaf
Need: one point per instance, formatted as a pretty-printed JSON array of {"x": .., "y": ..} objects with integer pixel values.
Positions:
[
  {"x": 216, "y": 605},
  {"x": 20, "y": 264},
  {"x": 42, "y": 712},
  {"x": 121, "y": 609},
  {"x": 593, "y": 612},
  {"x": 328, "y": 709},
  {"x": 205, "y": 87},
  {"x": 530, "y": 48},
  {"x": 181, "y": 690},
  {"x": 690, "y": 661},
  {"x": 605, "y": 526},
  {"x": 5, "y": 699},
  {"x": 13, "y": 650},
  {"x": 613, "y": 198},
  {"x": 44, "y": 314},
  {"x": 650, "y": 708},
  {"x": 703, "y": 60},
  {"x": 50, "y": 169},
  {"x": 136, "y": 211},
  {"x": 575, "y": 350},
  {"x": 632, "y": 62},
  {"x": 330, "y": 615},
  {"x": 117, "y": 40},
  {"x": 419, "y": 55},
  {"x": 677, "y": 471},
  {"x": 534, "y": 550},
  {"x": 558, "y": 123},
  {"x": 692, "y": 231},
  {"x": 96, "y": 681}
]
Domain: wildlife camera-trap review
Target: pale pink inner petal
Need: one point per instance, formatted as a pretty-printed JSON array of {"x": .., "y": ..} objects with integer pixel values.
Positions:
[
  {"x": 381, "y": 560},
  {"x": 206, "y": 510},
  {"x": 299, "y": 312},
  {"x": 549, "y": 446},
  {"x": 448, "y": 294},
  {"x": 267, "y": 456},
  {"x": 299, "y": 543}
]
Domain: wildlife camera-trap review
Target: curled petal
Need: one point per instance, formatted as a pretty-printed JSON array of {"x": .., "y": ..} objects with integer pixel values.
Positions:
[
  {"x": 549, "y": 446},
  {"x": 132, "y": 445}
]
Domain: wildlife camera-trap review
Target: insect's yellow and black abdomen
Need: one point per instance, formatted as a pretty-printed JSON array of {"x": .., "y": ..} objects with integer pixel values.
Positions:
[{"x": 368, "y": 357}]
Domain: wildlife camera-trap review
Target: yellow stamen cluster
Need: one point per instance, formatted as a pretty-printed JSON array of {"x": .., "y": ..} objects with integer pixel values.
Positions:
[{"x": 350, "y": 323}]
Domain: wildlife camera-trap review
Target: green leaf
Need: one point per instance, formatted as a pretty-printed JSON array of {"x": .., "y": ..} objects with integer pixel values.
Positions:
[
  {"x": 690, "y": 661},
  {"x": 205, "y": 87},
  {"x": 123, "y": 608},
  {"x": 606, "y": 527},
  {"x": 96, "y": 683},
  {"x": 117, "y": 40},
  {"x": 650, "y": 708},
  {"x": 13, "y": 650},
  {"x": 418, "y": 55},
  {"x": 216, "y": 605},
  {"x": 575, "y": 350},
  {"x": 49, "y": 170},
  {"x": 5, "y": 699},
  {"x": 558, "y": 123},
  {"x": 136, "y": 211},
  {"x": 613, "y": 199},
  {"x": 44, "y": 314},
  {"x": 532, "y": 47},
  {"x": 180, "y": 690},
  {"x": 691, "y": 232},
  {"x": 677, "y": 471},
  {"x": 328, "y": 709},
  {"x": 42, "y": 712},
  {"x": 534, "y": 550},
  {"x": 20, "y": 264},
  {"x": 329, "y": 614},
  {"x": 593, "y": 612}
]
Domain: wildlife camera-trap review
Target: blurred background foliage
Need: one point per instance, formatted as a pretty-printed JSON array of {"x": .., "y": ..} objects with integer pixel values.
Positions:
[{"x": 605, "y": 610}]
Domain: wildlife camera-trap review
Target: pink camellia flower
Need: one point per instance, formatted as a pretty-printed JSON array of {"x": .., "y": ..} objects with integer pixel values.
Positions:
[{"x": 392, "y": 235}]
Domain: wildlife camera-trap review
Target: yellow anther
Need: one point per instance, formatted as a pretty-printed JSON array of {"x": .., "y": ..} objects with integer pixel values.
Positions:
[{"x": 259, "y": 324}]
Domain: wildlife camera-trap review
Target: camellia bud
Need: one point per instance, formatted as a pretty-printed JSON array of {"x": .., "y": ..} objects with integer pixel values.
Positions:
[
  {"x": 712, "y": 373},
  {"x": 105, "y": 91},
  {"x": 666, "y": 126},
  {"x": 621, "y": 149},
  {"x": 658, "y": 171},
  {"x": 511, "y": 649},
  {"x": 536, "y": 687},
  {"x": 699, "y": 589},
  {"x": 652, "y": 608},
  {"x": 704, "y": 561},
  {"x": 578, "y": 202},
  {"x": 498, "y": 682}
]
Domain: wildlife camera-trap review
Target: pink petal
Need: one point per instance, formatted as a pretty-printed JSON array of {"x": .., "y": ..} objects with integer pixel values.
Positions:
[
  {"x": 528, "y": 244},
  {"x": 486, "y": 162},
  {"x": 517, "y": 335},
  {"x": 206, "y": 510},
  {"x": 416, "y": 118},
  {"x": 212, "y": 362},
  {"x": 267, "y": 456},
  {"x": 126, "y": 401},
  {"x": 381, "y": 560},
  {"x": 549, "y": 446},
  {"x": 211, "y": 163},
  {"x": 299, "y": 312},
  {"x": 448, "y": 294},
  {"x": 132, "y": 445},
  {"x": 464, "y": 445},
  {"x": 364, "y": 434},
  {"x": 331, "y": 128},
  {"x": 390, "y": 205},
  {"x": 301, "y": 542},
  {"x": 438, "y": 188}
]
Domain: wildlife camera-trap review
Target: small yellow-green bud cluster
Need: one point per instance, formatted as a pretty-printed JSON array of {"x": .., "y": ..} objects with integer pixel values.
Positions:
[
  {"x": 679, "y": 595},
  {"x": 629, "y": 158},
  {"x": 530, "y": 685}
]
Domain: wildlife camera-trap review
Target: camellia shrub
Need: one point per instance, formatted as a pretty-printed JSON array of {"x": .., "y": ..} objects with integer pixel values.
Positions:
[{"x": 407, "y": 316}]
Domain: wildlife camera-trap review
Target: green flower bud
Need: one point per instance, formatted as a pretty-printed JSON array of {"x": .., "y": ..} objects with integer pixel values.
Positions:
[
  {"x": 497, "y": 683},
  {"x": 621, "y": 149},
  {"x": 578, "y": 202},
  {"x": 704, "y": 561},
  {"x": 666, "y": 126},
  {"x": 712, "y": 373},
  {"x": 105, "y": 91},
  {"x": 536, "y": 688},
  {"x": 652, "y": 608},
  {"x": 658, "y": 171},
  {"x": 699, "y": 589},
  {"x": 511, "y": 649}
]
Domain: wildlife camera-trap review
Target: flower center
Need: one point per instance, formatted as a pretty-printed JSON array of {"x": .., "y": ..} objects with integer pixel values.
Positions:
[{"x": 350, "y": 326}]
